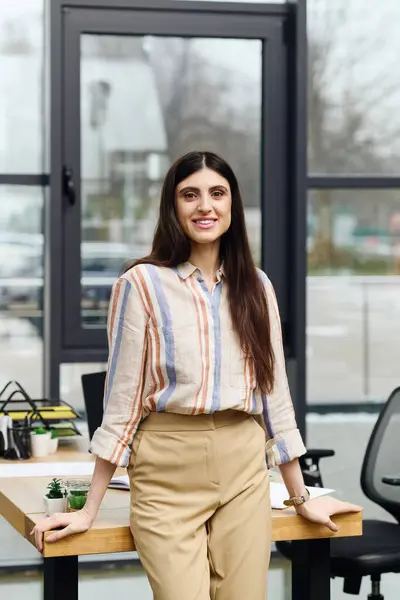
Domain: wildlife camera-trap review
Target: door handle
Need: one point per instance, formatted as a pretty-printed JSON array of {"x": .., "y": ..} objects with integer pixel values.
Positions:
[{"x": 69, "y": 185}]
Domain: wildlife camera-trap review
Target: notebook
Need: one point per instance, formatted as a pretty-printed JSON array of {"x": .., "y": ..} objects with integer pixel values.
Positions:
[{"x": 278, "y": 491}]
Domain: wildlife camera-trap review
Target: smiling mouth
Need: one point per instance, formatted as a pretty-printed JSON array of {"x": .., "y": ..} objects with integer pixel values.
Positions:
[{"x": 204, "y": 221}]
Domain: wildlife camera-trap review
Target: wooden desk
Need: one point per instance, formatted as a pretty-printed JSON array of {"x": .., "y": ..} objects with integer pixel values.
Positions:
[{"x": 21, "y": 504}]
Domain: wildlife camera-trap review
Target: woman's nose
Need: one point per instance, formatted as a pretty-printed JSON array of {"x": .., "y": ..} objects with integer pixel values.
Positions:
[{"x": 204, "y": 205}]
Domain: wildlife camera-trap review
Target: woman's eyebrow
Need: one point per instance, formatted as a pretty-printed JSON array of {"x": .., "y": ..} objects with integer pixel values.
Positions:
[
  {"x": 189, "y": 189},
  {"x": 197, "y": 190},
  {"x": 218, "y": 187}
]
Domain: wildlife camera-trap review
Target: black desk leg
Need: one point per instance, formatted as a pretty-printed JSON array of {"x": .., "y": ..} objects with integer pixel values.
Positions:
[
  {"x": 311, "y": 570},
  {"x": 60, "y": 577}
]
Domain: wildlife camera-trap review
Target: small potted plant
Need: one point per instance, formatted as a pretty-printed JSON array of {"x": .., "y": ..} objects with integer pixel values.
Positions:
[
  {"x": 77, "y": 492},
  {"x": 40, "y": 439},
  {"x": 56, "y": 498},
  {"x": 53, "y": 443}
]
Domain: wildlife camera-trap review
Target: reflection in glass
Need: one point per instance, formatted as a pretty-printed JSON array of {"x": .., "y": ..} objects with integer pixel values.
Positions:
[
  {"x": 21, "y": 286},
  {"x": 21, "y": 76},
  {"x": 353, "y": 86},
  {"x": 144, "y": 102},
  {"x": 353, "y": 291}
]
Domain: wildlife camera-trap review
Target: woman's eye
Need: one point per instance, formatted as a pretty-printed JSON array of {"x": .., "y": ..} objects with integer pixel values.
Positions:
[
  {"x": 218, "y": 193},
  {"x": 189, "y": 195}
]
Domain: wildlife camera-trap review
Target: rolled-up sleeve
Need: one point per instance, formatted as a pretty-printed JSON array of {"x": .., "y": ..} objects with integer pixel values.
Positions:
[
  {"x": 126, "y": 328},
  {"x": 284, "y": 441}
]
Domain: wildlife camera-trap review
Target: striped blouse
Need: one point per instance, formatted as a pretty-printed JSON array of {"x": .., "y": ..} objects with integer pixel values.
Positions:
[{"x": 172, "y": 348}]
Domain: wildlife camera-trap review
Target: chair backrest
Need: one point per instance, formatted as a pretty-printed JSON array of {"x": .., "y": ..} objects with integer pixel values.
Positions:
[
  {"x": 382, "y": 457},
  {"x": 93, "y": 392}
]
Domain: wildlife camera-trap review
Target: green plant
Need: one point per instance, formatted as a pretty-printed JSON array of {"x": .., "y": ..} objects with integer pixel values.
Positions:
[
  {"x": 77, "y": 499},
  {"x": 39, "y": 430},
  {"x": 55, "y": 489},
  {"x": 54, "y": 433},
  {"x": 77, "y": 492}
]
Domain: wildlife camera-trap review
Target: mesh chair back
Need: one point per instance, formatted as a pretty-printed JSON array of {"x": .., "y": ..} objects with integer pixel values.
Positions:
[
  {"x": 382, "y": 458},
  {"x": 93, "y": 392}
]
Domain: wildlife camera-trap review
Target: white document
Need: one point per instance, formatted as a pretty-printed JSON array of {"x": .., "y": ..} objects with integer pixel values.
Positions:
[
  {"x": 278, "y": 491},
  {"x": 51, "y": 469}
]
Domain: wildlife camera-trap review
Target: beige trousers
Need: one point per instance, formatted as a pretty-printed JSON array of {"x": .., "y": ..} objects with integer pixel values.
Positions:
[{"x": 200, "y": 507}]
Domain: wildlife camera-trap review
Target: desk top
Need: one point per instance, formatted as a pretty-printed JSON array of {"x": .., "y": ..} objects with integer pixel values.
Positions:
[{"x": 21, "y": 504}]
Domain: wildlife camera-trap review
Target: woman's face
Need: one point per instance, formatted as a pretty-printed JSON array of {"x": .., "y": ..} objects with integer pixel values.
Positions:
[{"x": 203, "y": 206}]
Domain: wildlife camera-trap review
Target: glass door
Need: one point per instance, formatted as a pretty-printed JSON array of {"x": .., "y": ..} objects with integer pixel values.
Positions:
[{"x": 140, "y": 89}]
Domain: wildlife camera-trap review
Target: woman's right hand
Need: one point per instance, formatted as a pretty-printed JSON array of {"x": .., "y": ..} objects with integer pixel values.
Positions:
[
  {"x": 81, "y": 520},
  {"x": 73, "y": 522}
]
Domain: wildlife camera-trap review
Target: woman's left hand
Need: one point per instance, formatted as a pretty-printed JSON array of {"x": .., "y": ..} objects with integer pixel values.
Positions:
[{"x": 320, "y": 510}]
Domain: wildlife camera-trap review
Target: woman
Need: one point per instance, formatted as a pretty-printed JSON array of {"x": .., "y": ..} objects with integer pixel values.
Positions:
[{"x": 196, "y": 397}]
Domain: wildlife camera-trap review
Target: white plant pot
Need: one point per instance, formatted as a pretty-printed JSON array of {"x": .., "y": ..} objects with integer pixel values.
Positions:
[
  {"x": 53, "y": 445},
  {"x": 55, "y": 505},
  {"x": 40, "y": 443}
]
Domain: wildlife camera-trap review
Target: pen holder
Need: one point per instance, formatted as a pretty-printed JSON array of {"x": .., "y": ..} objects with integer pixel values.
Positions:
[
  {"x": 14, "y": 440},
  {"x": 20, "y": 436}
]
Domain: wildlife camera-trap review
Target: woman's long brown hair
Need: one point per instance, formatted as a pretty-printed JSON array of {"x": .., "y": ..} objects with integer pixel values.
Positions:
[{"x": 247, "y": 298}]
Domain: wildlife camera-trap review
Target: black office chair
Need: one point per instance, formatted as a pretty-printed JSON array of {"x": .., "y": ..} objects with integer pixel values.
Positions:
[
  {"x": 378, "y": 550},
  {"x": 93, "y": 392}
]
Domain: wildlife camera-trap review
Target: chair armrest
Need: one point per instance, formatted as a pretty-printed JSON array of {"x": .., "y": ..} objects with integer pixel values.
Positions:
[
  {"x": 309, "y": 464},
  {"x": 316, "y": 454},
  {"x": 391, "y": 479}
]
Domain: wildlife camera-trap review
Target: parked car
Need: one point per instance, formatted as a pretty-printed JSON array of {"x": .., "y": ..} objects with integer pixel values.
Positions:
[{"x": 21, "y": 278}]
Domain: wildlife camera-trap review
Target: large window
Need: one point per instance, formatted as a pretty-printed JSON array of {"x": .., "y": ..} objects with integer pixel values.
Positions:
[
  {"x": 353, "y": 218},
  {"x": 353, "y": 227},
  {"x": 21, "y": 214},
  {"x": 21, "y": 206}
]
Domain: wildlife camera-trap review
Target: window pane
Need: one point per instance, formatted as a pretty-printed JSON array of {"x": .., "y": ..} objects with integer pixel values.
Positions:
[
  {"x": 21, "y": 286},
  {"x": 353, "y": 288},
  {"x": 144, "y": 102},
  {"x": 354, "y": 86},
  {"x": 21, "y": 76}
]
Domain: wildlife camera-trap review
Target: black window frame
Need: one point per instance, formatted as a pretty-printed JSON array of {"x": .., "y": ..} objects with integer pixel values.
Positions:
[{"x": 158, "y": 22}]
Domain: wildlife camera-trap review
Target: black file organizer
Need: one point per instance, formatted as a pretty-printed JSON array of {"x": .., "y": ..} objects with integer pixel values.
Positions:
[{"x": 18, "y": 442}]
